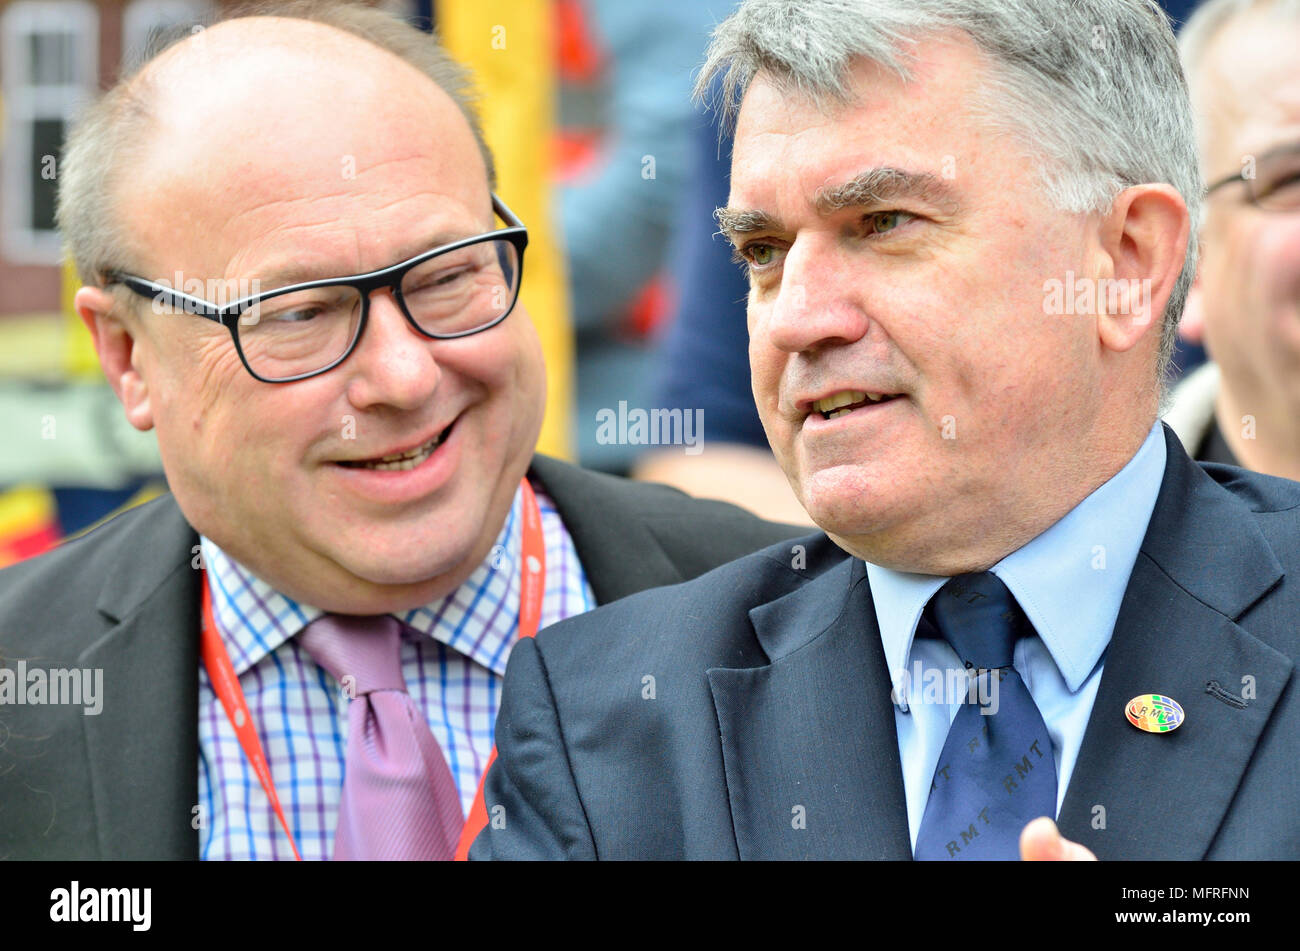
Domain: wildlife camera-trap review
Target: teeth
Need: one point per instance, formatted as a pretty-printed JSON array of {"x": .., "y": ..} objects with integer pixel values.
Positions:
[
  {"x": 836, "y": 405},
  {"x": 404, "y": 461},
  {"x": 844, "y": 398}
]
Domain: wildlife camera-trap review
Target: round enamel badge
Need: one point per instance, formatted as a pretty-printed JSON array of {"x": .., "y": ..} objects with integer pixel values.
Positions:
[{"x": 1154, "y": 713}]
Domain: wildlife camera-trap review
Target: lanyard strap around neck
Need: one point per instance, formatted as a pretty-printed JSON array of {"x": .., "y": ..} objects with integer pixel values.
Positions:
[{"x": 225, "y": 682}]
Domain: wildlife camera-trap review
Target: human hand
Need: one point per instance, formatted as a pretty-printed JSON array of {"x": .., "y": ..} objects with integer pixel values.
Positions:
[{"x": 1041, "y": 841}]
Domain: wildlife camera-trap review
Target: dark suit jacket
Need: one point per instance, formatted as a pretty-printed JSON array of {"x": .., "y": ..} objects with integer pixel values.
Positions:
[
  {"x": 125, "y": 598},
  {"x": 771, "y": 700}
]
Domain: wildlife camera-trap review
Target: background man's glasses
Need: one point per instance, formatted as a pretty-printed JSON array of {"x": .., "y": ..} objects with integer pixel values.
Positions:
[
  {"x": 302, "y": 330},
  {"x": 1275, "y": 184}
]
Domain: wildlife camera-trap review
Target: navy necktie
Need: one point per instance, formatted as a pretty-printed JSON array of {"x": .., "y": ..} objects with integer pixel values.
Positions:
[{"x": 996, "y": 771}]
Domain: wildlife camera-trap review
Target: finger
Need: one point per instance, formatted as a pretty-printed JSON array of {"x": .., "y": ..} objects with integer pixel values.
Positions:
[{"x": 1041, "y": 841}]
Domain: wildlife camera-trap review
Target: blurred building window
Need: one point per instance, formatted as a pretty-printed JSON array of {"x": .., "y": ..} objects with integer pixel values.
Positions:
[{"x": 50, "y": 57}]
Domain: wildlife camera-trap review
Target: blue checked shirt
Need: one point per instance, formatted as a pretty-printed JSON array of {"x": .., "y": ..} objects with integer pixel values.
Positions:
[{"x": 453, "y": 658}]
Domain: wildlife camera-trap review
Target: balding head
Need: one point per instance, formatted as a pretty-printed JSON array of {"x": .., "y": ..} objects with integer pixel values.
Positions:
[
  {"x": 110, "y": 138},
  {"x": 259, "y": 111}
]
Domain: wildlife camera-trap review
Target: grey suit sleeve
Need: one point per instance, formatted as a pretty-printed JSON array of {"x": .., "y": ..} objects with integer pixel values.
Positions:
[{"x": 533, "y": 807}]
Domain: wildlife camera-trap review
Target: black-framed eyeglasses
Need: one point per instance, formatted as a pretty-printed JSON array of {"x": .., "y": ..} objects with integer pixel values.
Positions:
[
  {"x": 1272, "y": 180},
  {"x": 302, "y": 330}
]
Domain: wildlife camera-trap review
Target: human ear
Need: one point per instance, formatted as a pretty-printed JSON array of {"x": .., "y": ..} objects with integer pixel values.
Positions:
[
  {"x": 117, "y": 340},
  {"x": 1145, "y": 237}
]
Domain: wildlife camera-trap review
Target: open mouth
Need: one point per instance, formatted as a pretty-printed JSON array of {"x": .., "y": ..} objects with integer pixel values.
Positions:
[
  {"x": 847, "y": 401},
  {"x": 402, "y": 461}
]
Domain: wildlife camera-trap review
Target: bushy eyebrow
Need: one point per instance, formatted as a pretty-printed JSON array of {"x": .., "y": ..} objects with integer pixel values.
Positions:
[
  {"x": 879, "y": 186},
  {"x": 875, "y": 186},
  {"x": 737, "y": 221}
]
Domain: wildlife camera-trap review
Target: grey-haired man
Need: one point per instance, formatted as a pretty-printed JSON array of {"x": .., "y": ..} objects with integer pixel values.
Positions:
[{"x": 969, "y": 231}]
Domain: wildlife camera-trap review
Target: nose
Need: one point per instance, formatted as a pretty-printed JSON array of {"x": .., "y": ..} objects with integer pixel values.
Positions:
[
  {"x": 393, "y": 364},
  {"x": 820, "y": 301}
]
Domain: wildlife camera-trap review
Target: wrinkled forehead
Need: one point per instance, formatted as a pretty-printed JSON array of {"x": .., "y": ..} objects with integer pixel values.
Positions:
[{"x": 883, "y": 119}]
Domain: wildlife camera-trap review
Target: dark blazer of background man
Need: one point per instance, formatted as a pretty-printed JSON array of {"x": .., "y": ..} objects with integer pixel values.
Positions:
[
  {"x": 367, "y": 481},
  {"x": 939, "y": 410}
]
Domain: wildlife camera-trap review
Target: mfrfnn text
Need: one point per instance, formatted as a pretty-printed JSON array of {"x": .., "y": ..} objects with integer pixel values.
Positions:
[
  {"x": 1209, "y": 891},
  {"x": 103, "y": 904}
]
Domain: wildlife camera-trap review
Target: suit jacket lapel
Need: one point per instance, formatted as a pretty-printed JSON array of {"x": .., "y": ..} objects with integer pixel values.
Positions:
[
  {"x": 621, "y": 555},
  {"x": 142, "y": 748},
  {"x": 1143, "y": 795},
  {"x": 809, "y": 742}
]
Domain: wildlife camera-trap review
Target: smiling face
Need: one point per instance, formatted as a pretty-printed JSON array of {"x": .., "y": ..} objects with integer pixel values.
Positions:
[
  {"x": 898, "y": 248},
  {"x": 336, "y": 159}
]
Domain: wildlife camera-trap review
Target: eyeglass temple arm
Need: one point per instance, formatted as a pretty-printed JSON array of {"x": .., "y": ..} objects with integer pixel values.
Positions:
[
  {"x": 157, "y": 292},
  {"x": 503, "y": 210}
]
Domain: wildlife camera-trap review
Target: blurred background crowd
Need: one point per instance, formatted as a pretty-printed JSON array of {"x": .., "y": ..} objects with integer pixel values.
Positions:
[{"x": 636, "y": 297}]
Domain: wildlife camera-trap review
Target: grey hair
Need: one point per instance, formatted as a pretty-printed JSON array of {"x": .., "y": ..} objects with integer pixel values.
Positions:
[
  {"x": 1198, "y": 34},
  {"x": 107, "y": 138},
  {"x": 1094, "y": 85}
]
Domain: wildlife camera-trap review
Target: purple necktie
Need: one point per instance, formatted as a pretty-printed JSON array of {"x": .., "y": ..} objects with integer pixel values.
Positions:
[{"x": 399, "y": 800}]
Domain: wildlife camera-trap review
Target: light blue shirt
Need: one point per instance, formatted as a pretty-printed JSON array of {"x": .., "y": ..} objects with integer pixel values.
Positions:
[{"x": 1069, "y": 580}]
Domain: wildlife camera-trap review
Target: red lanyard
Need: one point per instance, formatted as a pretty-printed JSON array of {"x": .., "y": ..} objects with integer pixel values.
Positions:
[{"x": 532, "y": 587}]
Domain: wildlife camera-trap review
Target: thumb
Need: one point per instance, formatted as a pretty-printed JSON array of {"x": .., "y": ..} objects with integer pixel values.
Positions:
[{"x": 1041, "y": 841}]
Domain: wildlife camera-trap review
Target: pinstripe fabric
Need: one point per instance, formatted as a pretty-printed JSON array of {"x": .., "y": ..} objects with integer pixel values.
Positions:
[{"x": 453, "y": 658}]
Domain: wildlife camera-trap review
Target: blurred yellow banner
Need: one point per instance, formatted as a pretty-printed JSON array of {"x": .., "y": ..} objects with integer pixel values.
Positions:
[{"x": 510, "y": 46}]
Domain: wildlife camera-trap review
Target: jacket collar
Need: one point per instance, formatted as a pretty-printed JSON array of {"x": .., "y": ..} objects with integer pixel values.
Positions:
[
  {"x": 142, "y": 749},
  {"x": 809, "y": 747},
  {"x": 814, "y": 728},
  {"x": 1202, "y": 566},
  {"x": 602, "y": 519}
]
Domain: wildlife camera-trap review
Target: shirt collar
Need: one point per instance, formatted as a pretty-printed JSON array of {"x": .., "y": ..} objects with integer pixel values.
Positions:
[
  {"x": 477, "y": 619},
  {"x": 1089, "y": 553}
]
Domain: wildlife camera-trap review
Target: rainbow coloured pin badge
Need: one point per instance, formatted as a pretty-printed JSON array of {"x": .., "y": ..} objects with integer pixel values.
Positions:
[{"x": 1154, "y": 713}]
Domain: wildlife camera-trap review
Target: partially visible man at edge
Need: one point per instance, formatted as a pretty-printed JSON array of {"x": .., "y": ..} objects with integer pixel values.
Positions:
[
  {"x": 1243, "y": 408},
  {"x": 969, "y": 227},
  {"x": 371, "y": 529}
]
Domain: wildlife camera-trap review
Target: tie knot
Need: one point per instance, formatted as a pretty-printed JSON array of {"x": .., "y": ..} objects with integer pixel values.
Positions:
[
  {"x": 367, "y": 648},
  {"x": 979, "y": 617}
]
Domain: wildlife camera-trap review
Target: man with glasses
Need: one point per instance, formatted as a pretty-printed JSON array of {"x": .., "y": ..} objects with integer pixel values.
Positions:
[
  {"x": 303, "y": 329},
  {"x": 1244, "y": 408},
  {"x": 297, "y": 273}
]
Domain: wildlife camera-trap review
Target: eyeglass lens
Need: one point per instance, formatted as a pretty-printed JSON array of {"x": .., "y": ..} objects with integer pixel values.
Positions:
[{"x": 452, "y": 293}]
